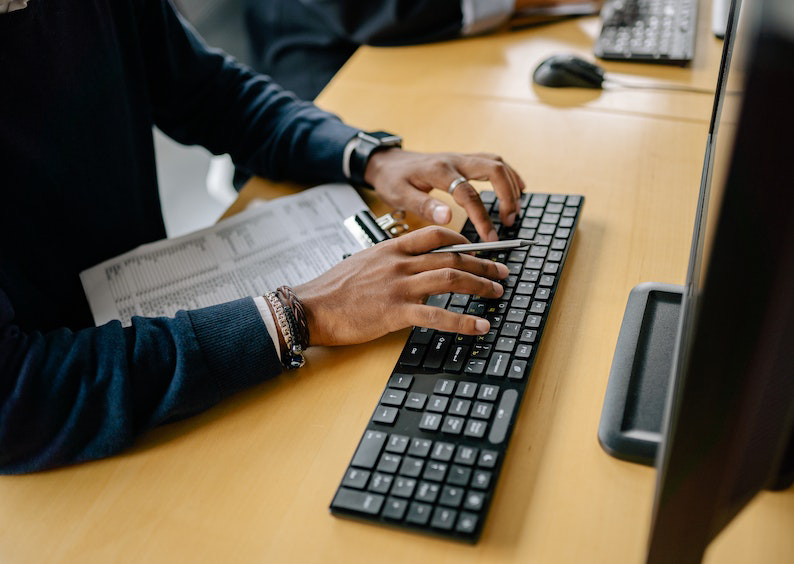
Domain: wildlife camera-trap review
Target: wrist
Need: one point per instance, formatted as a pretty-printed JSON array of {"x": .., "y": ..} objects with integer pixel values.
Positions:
[
  {"x": 361, "y": 150},
  {"x": 292, "y": 327}
]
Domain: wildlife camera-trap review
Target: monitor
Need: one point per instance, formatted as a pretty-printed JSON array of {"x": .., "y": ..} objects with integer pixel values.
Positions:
[{"x": 702, "y": 382}]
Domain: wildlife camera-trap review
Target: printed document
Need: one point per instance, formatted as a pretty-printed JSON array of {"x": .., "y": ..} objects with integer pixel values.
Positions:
[{"x": 289, "y": 240}]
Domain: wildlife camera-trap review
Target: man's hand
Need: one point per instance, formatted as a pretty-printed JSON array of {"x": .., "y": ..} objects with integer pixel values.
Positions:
[
  {"x": 404, "y": 179},
  {"x": 384, "y": 288}
]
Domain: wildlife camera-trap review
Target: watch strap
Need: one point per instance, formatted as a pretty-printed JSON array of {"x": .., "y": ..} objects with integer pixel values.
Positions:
[{"x": 364, "y": 146}]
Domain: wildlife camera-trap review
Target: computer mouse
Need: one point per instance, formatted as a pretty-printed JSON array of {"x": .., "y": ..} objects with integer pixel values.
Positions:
[{"x": 568, "y": 71}]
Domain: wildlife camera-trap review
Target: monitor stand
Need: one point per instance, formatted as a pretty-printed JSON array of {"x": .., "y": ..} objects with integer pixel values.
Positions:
[{"x": 631, "y": 419}]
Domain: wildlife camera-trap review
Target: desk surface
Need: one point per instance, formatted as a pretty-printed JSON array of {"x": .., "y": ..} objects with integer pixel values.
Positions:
[{"x": 251, "y": 480}]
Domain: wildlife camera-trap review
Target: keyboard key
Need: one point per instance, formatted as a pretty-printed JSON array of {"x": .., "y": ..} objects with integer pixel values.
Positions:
[
  {"x": 435, "y": 471},
  {"x": 419, "y": 513},
  {"x": 385, "y": 415},
  {"x": 355, "y": 478},
  {"x": 421, "y": 336},
  {"x": 444, "y": 387},
  {"x": 403, "y": 487},
  {"x": 459, "y": 475},
  {"x": 420, "y": 447},
  {"x": 427, "y": 491},
  {"x": 430, "y": 422},
  {"x": 397, "y": 444},
  {"x": 395, "y": 508},
  {"x": 503, "y": 415},
  {"x": 475, "y": 428},
  {"x": 487, "y": 458},
  {"x": 488, "y": 392},
  {"x": 466, "y": 455},
  {"x": 467, "y": 523},
  {"x": 381, "y": 483},
  {"x": 456, "y": 358},
  {"x": 416, "y": 401},
  {"x": 451, "y": 496},
  {"x": 360, "y": 502},
  {"x": 474, "y": 501},
  {"x": 443, "y": 451},
  {"x": 459, "y": 407},
  {"x": 482, "y": 410},
  {"x": 475, "y": 366},
  {"x": 444, "y": 518},
  {"x": 517, "y": 369},
  {"x": 400, "y": 381},
  {"x": 481, "y": 479},
  {"x": 369, "y": 449},
  {"x": 412, "y": 467},
  {"x": 392, "y": 397},
  {"x": 437, "y": 404},
  {"x": 453, "y": 425},
  {"x": 497, "y": 366},
  {"x": 412, "y": 355},
  {"x": 389, "y": 463}
]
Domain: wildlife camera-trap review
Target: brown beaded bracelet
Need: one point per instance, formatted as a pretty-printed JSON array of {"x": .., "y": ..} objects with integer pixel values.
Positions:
[
  {"x": 295, "y": 306},
  {"x": 291, "y": 349}
]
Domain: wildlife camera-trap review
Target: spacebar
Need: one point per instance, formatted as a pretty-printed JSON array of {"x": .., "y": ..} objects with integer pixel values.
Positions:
[{"x": 503, "y": 415}]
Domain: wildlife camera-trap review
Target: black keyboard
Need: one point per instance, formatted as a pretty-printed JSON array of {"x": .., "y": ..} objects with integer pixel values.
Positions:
[
  {"x": 661, "y": 31},
  {"x": 432, "y": 452}
]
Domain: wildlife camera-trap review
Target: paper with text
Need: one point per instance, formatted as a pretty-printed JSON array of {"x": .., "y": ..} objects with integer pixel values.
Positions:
[{"x": 288, "y": 240}]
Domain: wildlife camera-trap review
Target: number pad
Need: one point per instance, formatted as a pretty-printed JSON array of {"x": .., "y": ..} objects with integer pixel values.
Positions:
[{"x": 436, "y": 482}]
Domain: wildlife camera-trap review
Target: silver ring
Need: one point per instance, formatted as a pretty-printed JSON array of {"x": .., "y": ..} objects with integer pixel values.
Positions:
[{"x": 454, "y": 184}]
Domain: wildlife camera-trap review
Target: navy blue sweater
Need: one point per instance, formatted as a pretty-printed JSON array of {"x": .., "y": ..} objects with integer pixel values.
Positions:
[{"x": 81, "y": 85}]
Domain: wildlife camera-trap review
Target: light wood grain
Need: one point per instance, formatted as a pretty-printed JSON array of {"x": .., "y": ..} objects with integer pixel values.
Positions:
[{"x": 251, "y": 480}]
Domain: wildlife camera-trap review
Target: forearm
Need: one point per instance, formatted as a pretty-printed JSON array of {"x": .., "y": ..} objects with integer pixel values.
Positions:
[
  {"x": 68, "y": 397},
  {"x": 200, "y": 96}
]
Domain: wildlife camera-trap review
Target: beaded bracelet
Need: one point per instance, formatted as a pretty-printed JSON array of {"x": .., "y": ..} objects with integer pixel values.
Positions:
[
  {"x": 291, "y": 349},
  {"x": 295, "y": 306}
]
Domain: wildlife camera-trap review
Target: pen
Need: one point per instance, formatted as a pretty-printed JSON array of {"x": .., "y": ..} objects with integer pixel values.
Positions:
[{"x": 489, "y": 246}]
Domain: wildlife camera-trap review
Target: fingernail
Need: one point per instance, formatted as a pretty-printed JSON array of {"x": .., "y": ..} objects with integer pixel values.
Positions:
[
  {"x": 441, "y": 214},
  {"x": 502, "y": 270},
  {"x": 498, "y": 289},
  {"x": 511, "y": 219},
  {"x": 482, "y": 326},
  {"x": 492, "y": 236}
]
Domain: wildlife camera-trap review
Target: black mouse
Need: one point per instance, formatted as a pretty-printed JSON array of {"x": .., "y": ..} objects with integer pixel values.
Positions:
[{"x": 568, "y": 71}]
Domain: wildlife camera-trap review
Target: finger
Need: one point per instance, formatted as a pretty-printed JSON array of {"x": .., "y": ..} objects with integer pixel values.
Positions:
[
  {"x": 415, "y": 199},
  {"x": 469, "y": 199},
  {"x": 503, "y": 178},
  {"x": 441, "y": 281},
  {"x": 462, "y": 261},
  {"x": 443, "y": 320},
  {"x": 426, "y": 239}
]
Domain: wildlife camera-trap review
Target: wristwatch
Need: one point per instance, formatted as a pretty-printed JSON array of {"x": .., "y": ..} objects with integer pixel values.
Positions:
[{"x": 367, "y": 143}]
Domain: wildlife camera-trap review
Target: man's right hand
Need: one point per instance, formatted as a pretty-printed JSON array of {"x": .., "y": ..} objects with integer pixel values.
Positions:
[{"x": 384, "y": 289}]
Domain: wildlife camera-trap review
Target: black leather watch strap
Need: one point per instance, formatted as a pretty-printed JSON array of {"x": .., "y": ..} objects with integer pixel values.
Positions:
[{"x": 366, "y": 144}]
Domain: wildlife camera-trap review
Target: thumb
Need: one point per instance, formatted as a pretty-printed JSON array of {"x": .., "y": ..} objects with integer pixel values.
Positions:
[{"x": 426, "y": 206}]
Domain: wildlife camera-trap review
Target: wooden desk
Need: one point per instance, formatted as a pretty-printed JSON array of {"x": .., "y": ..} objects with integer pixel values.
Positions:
[{"x": 251, "y": 480}]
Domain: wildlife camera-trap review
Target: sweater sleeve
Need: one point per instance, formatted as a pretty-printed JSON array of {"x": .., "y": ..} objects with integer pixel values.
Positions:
[
  {"x": 390, "y": 22},
  {"x": 68, "y": 397},
  {"x": 201, "y": 96}
]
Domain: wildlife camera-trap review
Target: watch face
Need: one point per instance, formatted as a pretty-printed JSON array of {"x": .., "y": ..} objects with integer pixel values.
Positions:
[{"x": 380, "y": 138}]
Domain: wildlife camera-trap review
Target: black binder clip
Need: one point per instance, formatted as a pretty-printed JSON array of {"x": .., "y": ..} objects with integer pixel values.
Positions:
[{"x": 370, "y": 230}]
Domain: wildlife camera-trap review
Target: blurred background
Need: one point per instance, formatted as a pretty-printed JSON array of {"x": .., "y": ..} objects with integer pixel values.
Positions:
[{"x": 187, "y": 202}]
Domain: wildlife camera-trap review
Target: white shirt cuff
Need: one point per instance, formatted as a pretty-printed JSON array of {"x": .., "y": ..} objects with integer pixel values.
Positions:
[
  {"x": 480, "y": 16},
  {"x": 270, "y": 323},
  {"x": 346, "y": 156}
]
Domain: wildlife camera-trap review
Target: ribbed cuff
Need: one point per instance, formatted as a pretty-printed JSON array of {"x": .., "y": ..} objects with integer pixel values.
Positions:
[{"x": 236, "y": 346}]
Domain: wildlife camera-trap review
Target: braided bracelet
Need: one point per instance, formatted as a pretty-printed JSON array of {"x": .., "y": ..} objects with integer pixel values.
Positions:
[
  {"x": 293, "y": 303},
  {"x": 291, "y": 349}
]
